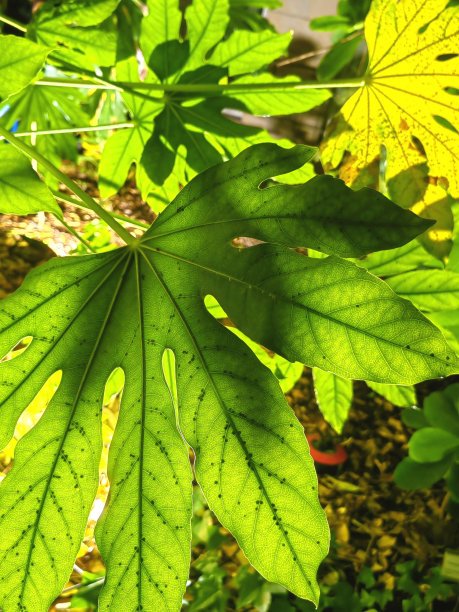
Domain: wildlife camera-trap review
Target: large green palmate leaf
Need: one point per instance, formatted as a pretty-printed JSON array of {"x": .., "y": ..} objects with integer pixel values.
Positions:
[
  {"x": 252, "y": 459},
  {"x": 191, "y": 125}
]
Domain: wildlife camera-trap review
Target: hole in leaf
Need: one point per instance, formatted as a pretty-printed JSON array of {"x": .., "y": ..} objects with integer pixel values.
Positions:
[
  {"x": 110, "y": 410},
  {"x": 18, "y": 349},
  {"x": 244, "y": 242},
  {"x": 30, "y": 417}
]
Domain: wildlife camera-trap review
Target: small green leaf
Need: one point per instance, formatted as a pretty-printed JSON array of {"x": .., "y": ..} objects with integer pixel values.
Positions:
[
  {"x": 429, "y": 444},
  {"x": 414, "y": 418},
  {"x": 334, "y": 397},
  {"x": 441, "y": 409},
  {"x": 411, "y": 475},
  {"x": 452, "y": 481},
  {"x": 328, "y": 23},
  {"x": 21, "y": 191},
  {"x": 337, "y": 58},
  {"x": 20, "y": 61}
]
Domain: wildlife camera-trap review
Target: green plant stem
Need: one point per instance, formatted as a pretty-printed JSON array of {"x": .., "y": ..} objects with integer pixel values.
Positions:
[
  {"x": 75, "y": 130},
  {"x": 13, "y": 23},
  {"x": 86, "y": 198},
  {"x": 66, "y": 198},
  {"x": 75, "y": 234},
  {"x": 204, "y": 88}
]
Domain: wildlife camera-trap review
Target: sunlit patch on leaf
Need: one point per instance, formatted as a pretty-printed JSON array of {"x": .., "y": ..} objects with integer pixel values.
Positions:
[{"x": 252, "y": 459}]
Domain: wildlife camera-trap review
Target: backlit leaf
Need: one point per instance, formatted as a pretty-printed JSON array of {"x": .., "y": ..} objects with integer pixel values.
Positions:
[
  {"x": 404, "y": 397},
  {"x": 21, "y": 191},
  {"x": 20, "y": 61},
  {"x": 429, "y": 290},
  {"x": 79, "y": 28},
  {"x": 252, "y": 459},
  {"x": 334, "y": 397},
  {"x": 190, "y": 131},
  {"x": 413, "y": 67}
]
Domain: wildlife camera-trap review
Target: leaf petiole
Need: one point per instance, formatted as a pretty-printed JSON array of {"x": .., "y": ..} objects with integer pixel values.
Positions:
[
  {"x": 63, "y": 178},
  {"x": 75, "y": 234},
  {"x": 201, "y": 88},
  {"x": 75, "y": 130},
  {"x": 13, "y": 23}
]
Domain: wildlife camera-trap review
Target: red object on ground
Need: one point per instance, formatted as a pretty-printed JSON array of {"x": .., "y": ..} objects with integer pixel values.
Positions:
[{"x": 335, "y": 458}]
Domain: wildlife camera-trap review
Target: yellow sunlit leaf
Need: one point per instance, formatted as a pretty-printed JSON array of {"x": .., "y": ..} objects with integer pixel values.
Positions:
[{"x": 409, "y": 103}]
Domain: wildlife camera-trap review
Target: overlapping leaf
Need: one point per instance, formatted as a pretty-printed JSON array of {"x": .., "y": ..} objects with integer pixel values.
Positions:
[
  {"x": 21, "y": 191},
  {"x": 81, "y": 29},
  {"x": 334, "y": 397},
  {"x": 191, "y": 125},
  {"x": 39, "y": 108},
  {"x": 252, "y": 460},
  {"x": 409, "y": 93},
  {"x": 21, "y": 60}
]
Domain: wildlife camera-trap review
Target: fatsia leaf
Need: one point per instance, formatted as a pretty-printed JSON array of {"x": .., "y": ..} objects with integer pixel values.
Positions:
[
  {"x": 126, "y": 147},
  {"x": 250, "y": 50},
  {"x": 412, "y": 68},
  {"x": 408, "y": 257},
  {"x": 191, "y": 134},
  {"x": 48, "y": 108},
  {"x": 160, "y": 25},
  {"x": 21, "y": 191},
  {"x": 334, "y": 397},
  {"x": 79, "y": 29},
  {"x": 20, "y": 61},
  {"x": 206, "y": 22},
  {"x": 429, "y": 290},
  {"x": 74, "y": 310},
  {"x": 287, "y": 373},
  {"x": 252, "y": 459},
  {"x": 278, "y": 100}
]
